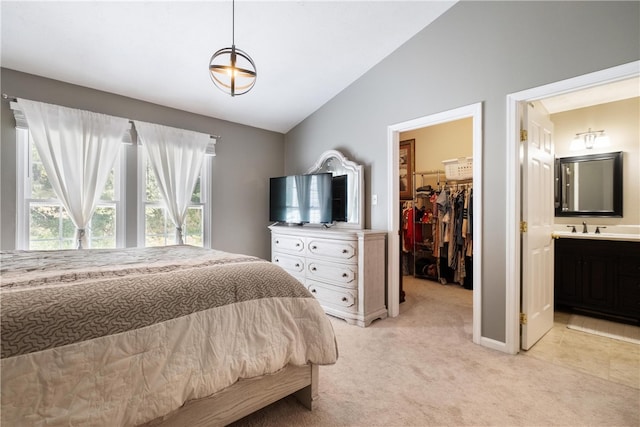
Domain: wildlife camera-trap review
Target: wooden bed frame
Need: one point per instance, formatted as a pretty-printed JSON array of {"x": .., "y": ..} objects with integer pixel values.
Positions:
[{"x": 245, "y": 397}]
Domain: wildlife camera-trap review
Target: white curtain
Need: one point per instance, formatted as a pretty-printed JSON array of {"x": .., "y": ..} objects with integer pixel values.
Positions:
[
  {"x": 176, "y": 157},
  {"x": 78, "y": 149}
]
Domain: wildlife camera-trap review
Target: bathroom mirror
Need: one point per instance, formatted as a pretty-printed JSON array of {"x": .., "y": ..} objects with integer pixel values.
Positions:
[
  {"x": 333, "y": 161},
  {"x": 589, "y": 185}
]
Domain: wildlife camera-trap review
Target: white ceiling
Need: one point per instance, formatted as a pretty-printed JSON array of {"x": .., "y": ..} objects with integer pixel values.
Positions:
[
  {"x": 305, "y": 52},
  {"x": 616, "y": 91}
]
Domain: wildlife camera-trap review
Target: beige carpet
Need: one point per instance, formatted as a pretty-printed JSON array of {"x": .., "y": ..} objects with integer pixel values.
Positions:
[
  {"x": 422, "y": 369},
  {"x": 605, "y": 328}
]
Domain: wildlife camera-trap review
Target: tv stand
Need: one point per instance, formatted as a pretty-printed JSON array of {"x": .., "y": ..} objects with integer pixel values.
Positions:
[{"x": 343, "y": 268}]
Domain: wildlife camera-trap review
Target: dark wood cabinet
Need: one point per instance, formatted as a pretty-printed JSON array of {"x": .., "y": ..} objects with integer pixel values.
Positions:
[
  {"x": 598, "y": 276},
  {"x": 597, "y": 279}
]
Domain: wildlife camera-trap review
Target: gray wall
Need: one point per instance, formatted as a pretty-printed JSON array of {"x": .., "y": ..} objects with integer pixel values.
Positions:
[
  {"x": 475, "y": 52},
  {"x": 246, "y": 158}
]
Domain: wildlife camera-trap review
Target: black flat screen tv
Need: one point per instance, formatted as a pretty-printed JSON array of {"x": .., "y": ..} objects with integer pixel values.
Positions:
[
  {"x": 301, "y": 199},
  {"x": 285, "y": 206}
]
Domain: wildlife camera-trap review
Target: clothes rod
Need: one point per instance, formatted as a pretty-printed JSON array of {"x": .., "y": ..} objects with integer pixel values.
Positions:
[
  {"x": 433, "y": 172},
  {"x": 15, "y": 99}
]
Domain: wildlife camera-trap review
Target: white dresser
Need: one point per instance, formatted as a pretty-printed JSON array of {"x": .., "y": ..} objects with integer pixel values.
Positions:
[{"x": 343, "y": 268}]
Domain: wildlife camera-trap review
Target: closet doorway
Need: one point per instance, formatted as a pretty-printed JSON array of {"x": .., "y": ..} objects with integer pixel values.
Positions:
[
  {"x": 413, "y": 127},
  {"x": 436, "y": 222}
]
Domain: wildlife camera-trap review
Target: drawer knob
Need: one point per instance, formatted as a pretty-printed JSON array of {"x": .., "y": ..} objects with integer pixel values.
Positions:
[
  {"x": 297, "y": 244},
  {"x": 313, "y": 269},
  {"x": 297, "y": 265},
  {"x": 345, "y": 275},
  {"x": 344, "y": 251},
  {"x": 314, "y": 247},
  {"x": 277, "y": 260},
  {"x": 277, "y": 242},
  {"x": 344, "y": 299},
  {"x": 313, "y": 291}
]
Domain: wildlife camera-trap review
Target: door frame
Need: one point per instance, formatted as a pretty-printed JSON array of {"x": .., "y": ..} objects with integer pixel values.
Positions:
[
  {"x": 512, "y": 179},
  {"x": 393, "y": 227}
]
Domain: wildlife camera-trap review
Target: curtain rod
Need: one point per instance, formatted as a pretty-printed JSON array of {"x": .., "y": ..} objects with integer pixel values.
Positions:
[{"x": 15, "y": 99}]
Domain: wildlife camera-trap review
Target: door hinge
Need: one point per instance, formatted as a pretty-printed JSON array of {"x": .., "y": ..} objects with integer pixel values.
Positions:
[
  {"x": 523, "y": 135},
  {"x": 523, "y": 319},
  {"x": 523, "y": 226}
]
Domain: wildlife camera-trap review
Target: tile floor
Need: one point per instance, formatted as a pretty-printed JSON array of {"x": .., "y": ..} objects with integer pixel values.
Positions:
[
  {"x": 608, "y": 358},
  {"x": 607, "y": 328}
]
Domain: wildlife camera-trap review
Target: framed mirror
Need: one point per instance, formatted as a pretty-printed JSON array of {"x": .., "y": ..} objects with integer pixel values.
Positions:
[
  {"x": 334, "y": 162},
  {"x": 589, "y": 185}
]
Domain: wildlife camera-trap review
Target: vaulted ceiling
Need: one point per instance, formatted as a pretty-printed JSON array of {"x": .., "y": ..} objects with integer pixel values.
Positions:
[{"x": 305, "y": 52}]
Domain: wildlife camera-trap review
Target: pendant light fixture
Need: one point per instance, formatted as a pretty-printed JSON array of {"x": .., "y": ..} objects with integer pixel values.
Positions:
[{"x": 231, "y": 69}]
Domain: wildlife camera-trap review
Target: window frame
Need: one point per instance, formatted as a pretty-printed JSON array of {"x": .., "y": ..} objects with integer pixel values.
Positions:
[
  {"x": 205, "y": 173},
  {"x": 24, "y": 200}
]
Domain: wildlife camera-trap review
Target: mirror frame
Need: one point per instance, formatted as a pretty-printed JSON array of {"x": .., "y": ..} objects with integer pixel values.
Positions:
[
  {"x": 617, "y": 185},
  {"x": 354, "y": 170}
]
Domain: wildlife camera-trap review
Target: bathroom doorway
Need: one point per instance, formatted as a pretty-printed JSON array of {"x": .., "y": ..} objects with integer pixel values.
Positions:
[{"x": 515, "y": 103}]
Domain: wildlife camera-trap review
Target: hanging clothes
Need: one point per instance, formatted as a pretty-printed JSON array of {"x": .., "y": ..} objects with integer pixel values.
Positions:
[
  {"x": 456, "y": 241},
  {"x": 444, "y": 216},
  {"x": 412, "y": 234},
  {"x": 405, "y": 227},
  {"x": 453, "y": 228},
  {"x": 433, "y": 199},
  {"x": 469, "y": 227}
]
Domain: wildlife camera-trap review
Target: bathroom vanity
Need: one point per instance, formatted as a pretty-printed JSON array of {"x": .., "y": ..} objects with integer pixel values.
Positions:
[
  {"x": 596, "y": 271},
  {"x": 598, "y": 275}
]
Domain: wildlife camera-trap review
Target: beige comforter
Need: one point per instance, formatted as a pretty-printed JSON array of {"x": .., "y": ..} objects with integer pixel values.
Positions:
[{"x": 121, "y": 337}]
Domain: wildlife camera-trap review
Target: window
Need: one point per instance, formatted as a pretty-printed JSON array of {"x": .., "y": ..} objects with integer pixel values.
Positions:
[
  {"x": 43, "y": 222},
  {"x": 156, "y": 228}
]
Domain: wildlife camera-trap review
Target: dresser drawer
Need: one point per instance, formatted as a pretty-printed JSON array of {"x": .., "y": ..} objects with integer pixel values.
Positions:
[
  {"x": 337, "y": 249},
  {"x": 287, "y": 243},
  {"x": 334, "y": 273},
  {"x": 291, "y": 263},
  {"x": 344, "y": 299}
]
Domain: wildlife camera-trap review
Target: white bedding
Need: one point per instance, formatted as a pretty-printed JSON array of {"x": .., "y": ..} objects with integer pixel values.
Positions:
[{"x": 135, "y": 376}]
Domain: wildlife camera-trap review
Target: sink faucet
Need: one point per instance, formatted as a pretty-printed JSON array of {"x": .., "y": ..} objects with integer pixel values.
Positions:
[{"x": 584, "y": 226}]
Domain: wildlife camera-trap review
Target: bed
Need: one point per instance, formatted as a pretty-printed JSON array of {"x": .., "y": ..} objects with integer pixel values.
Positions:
[{"x": 175, "y": 335}]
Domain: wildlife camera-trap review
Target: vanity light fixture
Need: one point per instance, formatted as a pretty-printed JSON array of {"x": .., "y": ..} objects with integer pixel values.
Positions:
[
  {"x": 589, "y": 140},
  {"x": 231, "y": 69}
]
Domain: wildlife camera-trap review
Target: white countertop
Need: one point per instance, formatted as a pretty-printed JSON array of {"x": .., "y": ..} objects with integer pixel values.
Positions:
[{"x": 593, "y": 236}]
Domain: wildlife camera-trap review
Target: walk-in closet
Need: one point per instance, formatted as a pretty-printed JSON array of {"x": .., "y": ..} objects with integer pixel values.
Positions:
[{"x": 436, "y": 203}]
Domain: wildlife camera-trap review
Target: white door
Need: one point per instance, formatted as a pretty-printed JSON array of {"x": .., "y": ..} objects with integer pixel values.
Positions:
[{"x": 537, "y": 216}]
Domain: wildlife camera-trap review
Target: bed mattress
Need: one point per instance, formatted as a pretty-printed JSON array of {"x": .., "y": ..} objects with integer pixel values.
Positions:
[{"x": 121, "y": 337}]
